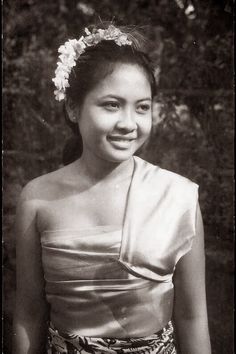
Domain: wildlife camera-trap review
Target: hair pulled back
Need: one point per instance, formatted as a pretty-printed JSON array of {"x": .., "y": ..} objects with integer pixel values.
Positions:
[{"x": 94, "y": 65}]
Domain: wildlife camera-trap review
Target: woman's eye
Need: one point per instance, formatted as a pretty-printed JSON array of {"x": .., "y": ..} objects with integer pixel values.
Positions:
[
  {"x": 143, "y": 108},
  {"x": 111, "y": 105}
]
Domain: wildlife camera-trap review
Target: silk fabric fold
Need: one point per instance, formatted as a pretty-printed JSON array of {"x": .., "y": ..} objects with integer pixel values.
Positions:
[{"x": 159, "y": 222}]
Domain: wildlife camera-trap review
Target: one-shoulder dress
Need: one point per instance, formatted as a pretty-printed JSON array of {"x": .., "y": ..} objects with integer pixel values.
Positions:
[{"x": 110, "y": 290}]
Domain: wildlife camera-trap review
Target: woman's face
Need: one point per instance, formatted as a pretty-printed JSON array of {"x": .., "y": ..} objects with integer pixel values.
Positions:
[{"x": 116, "y": 116}]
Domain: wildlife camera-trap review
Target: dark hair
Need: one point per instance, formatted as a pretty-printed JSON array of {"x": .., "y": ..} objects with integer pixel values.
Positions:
[{"x": 94, "y": 65}]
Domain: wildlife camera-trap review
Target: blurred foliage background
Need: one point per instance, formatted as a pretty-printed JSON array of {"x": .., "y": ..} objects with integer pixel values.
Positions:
[{"x": 192, "y": 43}]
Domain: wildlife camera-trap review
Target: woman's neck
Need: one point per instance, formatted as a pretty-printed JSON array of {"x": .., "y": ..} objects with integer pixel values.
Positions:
[{"x": 97, "y": 169}]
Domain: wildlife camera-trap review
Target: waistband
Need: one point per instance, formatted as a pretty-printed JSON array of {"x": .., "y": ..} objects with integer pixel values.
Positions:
[{"x": 161, "y": 342}]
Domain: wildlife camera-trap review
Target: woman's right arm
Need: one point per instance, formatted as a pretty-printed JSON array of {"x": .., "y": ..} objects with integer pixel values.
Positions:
[{"x": 31, "y": 309}]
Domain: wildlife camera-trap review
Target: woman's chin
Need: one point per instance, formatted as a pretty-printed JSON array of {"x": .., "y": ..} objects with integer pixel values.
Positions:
[
  {"x": 119, "y": 152},
  {"x": 119, "y": 159},
  {"x": 111, "y": 154},
  {"x": 118, "y": 156}
]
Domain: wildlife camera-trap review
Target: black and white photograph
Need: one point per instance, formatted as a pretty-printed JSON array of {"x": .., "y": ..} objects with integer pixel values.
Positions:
[{"x": 118, "y": 177}]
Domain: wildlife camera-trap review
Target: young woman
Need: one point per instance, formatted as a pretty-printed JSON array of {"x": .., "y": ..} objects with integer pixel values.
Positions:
[{"x": 110, "y": 248}]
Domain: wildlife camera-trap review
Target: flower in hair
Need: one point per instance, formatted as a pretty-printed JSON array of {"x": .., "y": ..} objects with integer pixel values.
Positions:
[{"x": 73, "y": 48}]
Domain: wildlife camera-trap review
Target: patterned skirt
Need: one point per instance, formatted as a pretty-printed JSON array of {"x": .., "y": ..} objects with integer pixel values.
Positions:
[{"x": 161, "y": 342}]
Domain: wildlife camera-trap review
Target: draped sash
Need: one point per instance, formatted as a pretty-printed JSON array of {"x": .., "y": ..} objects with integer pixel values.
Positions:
[{"x": 159, "y": 224}]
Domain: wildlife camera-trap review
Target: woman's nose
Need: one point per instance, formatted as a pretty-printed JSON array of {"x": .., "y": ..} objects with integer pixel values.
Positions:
[{"x": 127, "y": 120}]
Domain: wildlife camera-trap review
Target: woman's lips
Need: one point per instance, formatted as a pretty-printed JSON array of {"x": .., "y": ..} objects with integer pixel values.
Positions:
[{"x": 120, "y": 142}]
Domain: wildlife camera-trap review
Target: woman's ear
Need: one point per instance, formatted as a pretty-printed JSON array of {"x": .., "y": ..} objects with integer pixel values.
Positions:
[{"x": 72, "y": 111}]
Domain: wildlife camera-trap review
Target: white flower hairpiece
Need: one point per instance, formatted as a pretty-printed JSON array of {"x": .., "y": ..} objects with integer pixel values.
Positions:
[{"x": 73, "y": 48}]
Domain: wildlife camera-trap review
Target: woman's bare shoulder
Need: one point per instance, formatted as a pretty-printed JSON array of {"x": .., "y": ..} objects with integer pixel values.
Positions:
[{"x": 48, "y": 185}]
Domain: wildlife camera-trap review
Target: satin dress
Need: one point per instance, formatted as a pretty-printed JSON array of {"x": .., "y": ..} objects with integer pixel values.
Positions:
[
  {"x": 105, "y": 282},
  {"x": 92, "y": 294}
]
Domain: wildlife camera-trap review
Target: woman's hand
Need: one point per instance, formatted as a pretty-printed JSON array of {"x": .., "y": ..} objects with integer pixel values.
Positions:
[
  {"x": 190, "y": 311},
  {"x": 31, "y": 309}
]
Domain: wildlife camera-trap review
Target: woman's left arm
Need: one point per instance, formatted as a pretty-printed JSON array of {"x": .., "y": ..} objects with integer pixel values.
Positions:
[{"x": 190, "y": 310}]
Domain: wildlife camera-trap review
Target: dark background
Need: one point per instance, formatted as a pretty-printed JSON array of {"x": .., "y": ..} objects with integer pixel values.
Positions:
[{"x": 193, "y": 116}]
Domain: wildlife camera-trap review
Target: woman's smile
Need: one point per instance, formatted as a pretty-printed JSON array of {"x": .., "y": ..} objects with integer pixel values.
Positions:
[{"x": 121, "y": 142}]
